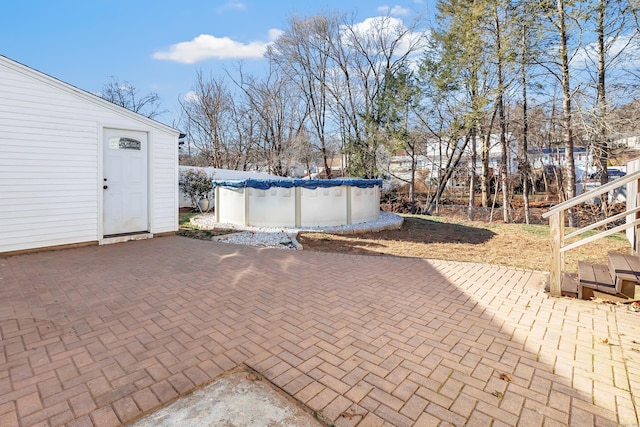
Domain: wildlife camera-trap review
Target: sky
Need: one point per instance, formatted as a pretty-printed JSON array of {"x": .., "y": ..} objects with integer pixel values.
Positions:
[{"x": 160, "y": 45}]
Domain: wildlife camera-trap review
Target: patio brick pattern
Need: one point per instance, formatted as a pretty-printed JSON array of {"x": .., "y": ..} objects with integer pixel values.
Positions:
[{"x": 101, "y": 335}]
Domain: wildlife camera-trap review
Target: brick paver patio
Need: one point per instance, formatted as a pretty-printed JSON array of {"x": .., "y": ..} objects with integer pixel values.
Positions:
[{"x": 101, "y": 335}]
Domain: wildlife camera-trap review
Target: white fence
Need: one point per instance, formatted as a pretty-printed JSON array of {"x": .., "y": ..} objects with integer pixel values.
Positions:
[
  {"x": 632, "y": 203},
  {"x": 214, "y": 173}
]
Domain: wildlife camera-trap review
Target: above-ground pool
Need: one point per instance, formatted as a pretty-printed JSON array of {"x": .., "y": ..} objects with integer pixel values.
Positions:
[{"x": 297, "y": 202}]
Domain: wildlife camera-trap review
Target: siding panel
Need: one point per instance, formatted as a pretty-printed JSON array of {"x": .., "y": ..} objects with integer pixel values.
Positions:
[
  {"x": 165, "y": 198},
  {"x": 49, "y": 159}
]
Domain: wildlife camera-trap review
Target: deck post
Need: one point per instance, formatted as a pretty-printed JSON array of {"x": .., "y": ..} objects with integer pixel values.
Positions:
[
  {"x": 216, "y": 202},
  {"x": 348, "y": 192},
  {"x": 298, "y": 205},
  {"x": 636, "y": 235},
  {"x": 247, "y": 192},
  {"x": 556, "y": 226}
]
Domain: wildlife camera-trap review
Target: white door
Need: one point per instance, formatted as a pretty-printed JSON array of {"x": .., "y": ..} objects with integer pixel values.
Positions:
[{"x": 125, "y": 200}]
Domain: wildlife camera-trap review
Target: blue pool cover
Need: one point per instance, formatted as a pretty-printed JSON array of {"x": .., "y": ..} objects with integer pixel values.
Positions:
[{"x": 312, "y": 184}]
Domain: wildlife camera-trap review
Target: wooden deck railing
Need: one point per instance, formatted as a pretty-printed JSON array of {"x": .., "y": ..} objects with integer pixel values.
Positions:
[{"x": 556, "y": 216}]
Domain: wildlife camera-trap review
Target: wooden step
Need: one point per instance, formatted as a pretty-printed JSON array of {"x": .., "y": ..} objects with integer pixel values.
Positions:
[
  {"x": 595, "y": 276},
  {"x": 625, "y": 271},
  {"x": 627, "y": 266},
  {"x": 570, "y": 286}
]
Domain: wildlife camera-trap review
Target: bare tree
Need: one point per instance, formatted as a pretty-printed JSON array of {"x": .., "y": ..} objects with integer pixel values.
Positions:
[
  {"x": 564, "y": 19},
  {"x": 501, "y": 57},
  {"x": 615, "y": 27},
  {"x": 244, "y": 152},
  {"x": 398, "y": 103},
  {"x": 527, "y": 24},
  {"x": 207, "y": 110},
  {"x": 364, "y": 55},
  {"x": 126, "y": 95},
  {"x": 277, "y": 104},
  {"x": 303, "y": 53},
  {"x": 567, "y": 125}
]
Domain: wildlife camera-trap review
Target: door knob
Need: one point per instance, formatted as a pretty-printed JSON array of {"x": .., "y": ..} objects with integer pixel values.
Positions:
[{"x": 104, "y": 187}]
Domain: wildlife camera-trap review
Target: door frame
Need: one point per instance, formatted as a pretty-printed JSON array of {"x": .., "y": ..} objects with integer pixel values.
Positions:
[{"x": 100, "y": 176}]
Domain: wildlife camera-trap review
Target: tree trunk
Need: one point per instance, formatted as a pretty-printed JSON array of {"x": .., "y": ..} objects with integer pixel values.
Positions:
[
  {"x": 601, "y": 109},
  {"x": 524, "y": 158},
  {"x": 474, "y": 143},
  {"x": 452, "y": 162},
  {"x": 501, "y": 118},
  {"x": 472, "y": 179},
  {"x": 505, "y": 184},
  {"x": 570, "y": 174},
  {"x": 412, "y": 184},
  {"x": 484, "y": 178},
  {"x": 325, "y": 160}
]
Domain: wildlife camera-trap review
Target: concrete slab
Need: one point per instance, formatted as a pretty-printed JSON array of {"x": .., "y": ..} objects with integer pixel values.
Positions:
[{"x": 237, "y": 399}]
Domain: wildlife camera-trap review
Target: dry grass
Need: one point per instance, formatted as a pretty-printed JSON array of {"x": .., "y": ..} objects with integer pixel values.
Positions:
[
  {"x": 515, "y": 245},
  {"x": 187, "y": 229}
]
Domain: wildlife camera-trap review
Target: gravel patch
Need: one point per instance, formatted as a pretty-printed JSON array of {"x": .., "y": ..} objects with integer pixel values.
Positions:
[{"x": 284, "y": 237}]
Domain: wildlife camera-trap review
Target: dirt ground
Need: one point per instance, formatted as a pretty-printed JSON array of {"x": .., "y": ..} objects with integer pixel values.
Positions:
[
  {"x": 450, "y": 237},
  {"x": 189, "y": 230},
  {"x": 515, "y": 245}
]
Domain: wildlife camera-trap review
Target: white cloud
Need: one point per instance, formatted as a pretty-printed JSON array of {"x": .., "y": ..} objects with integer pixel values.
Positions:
[
  {"x": 623, "y": 52},
  {"x": 232, "y": 5},
  {"x": 394, "y": 10},
  {"x": 206, "y": 46},
  {"x": 389, "y": 27},
  {"x": 392, "y": 29},
  {"x": 274, "y": 33},
  {"x": 378, "y": 24},
  {"x": 190, "y": 96}
]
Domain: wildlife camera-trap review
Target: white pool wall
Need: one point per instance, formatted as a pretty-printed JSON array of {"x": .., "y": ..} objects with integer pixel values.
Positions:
[
  {"x": 232, "y": 199},
  {"x": 297, "y": 206},
  {"x": 365, "y": 204},
  {"x": 323, "y": 206},
  {"x": 275, "y": 207}
]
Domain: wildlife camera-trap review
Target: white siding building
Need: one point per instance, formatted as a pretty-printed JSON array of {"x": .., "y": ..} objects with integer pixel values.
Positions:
[
  {"x": 77, "y": 169},
  {"x": 582, "y": 157}
]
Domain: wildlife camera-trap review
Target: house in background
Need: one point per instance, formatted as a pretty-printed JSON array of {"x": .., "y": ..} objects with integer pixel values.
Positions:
[
  {"x": 76, "y": 169},
  {"x": 434, "y": 159},
  {"x": 586, "y": 172},
  {"x": 495, "y": 154},
  {"x": 631, "y": 142},
  {"x": 556, "y": 156}
]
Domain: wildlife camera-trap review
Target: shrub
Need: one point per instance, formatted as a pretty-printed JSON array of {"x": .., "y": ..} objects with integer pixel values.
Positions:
[{"x": 195, "y": 184}]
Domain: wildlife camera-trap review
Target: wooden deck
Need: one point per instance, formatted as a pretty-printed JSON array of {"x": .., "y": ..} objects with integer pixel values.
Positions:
[{"x": 596, "y": 277}]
